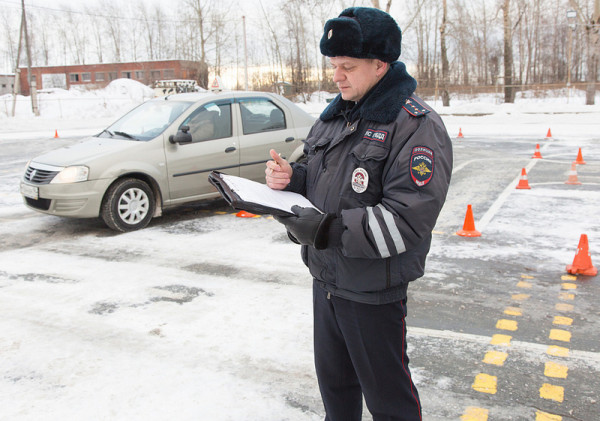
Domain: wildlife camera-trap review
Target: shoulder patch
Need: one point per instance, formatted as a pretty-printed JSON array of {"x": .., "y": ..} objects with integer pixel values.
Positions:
[
  {"x": 421, "y": 165},
  {"x": 414, "y": 108}
]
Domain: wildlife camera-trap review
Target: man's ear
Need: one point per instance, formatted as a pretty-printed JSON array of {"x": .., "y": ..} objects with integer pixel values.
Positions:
[{"x": 381, "y": 67}]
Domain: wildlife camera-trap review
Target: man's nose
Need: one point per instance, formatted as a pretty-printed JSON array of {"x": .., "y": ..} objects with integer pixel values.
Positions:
[{"x": 338, "y": 75}]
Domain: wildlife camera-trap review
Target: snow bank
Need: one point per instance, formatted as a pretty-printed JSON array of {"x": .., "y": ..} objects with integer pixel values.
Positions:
[{"x": 118, "y": 97}]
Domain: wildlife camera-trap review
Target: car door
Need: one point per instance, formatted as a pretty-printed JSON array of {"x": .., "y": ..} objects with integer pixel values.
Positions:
[
  {"x": 265, "y": 125},
  {"x": 214, "y": 146}
]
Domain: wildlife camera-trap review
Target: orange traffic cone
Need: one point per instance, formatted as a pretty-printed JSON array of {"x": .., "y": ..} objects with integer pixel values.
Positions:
[
  {"x": 573, "y": 175},
  {"x": 537, "y": 154},
  {"x": 460, "y": 135},
  {"x": 244, "y": 214},
  {"x": 523, "y": 183},
  {"x": 468, "y": 229},
  {"x": 549, "y": 134},
  {"x": 56, "y": 134},
  {"x": 579, "y": 160},
  {"x": 582, "y": 263}
]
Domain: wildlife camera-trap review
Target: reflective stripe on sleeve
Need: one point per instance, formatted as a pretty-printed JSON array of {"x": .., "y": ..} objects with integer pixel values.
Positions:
[
  {"x": 393, "y": 229},
  {"x": 377, "y": 233}
]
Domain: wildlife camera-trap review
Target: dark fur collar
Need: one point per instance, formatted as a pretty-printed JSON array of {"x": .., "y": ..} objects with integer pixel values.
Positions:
[{"x": 383, "y": 102}]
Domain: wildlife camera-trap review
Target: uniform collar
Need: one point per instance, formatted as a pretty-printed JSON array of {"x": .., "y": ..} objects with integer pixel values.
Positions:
[{"x": 382, "y": 103}]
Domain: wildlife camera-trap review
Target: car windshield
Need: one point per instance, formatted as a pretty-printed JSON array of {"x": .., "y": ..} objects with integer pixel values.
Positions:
[{"x": 146, "y": 121}]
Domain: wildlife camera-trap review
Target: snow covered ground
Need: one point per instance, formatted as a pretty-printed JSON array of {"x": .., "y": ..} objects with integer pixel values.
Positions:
[{"x": 146, "y": 326}]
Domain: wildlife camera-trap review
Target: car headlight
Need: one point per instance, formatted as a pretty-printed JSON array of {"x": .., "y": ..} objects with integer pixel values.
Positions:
[{"x": 71, "y": 175}]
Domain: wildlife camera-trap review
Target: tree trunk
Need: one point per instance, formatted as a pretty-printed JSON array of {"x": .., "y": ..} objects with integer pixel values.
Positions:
[{"x": 508, "y": 55}]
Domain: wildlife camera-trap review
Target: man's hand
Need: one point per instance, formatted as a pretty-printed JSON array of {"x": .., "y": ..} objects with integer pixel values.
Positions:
[
  {"x": 309, "y": 226},
  {"x": 278, "y": 172}
]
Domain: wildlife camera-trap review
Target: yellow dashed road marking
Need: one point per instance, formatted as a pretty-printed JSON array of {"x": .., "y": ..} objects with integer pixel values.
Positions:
[
  {"x": 513, "y": 311},
  {"x": 568, "y": 278},
  {"x": 520, "y": 297},
  {"x": 566, "y": 296},
  {"x": 553, "y": 369},
  {"x": 560, "y": 335},
  {"x": 555, "y": 393},
  {"x": 560, "y": 320},
  {"x": 507, "y": 325},
  {"x": 558, "y": 351},
  {"x": 527, "y": 277},
  {"x": 498, "y": 339},
  {"x": 495, "y": 357},
  {"x": 568, "y": 285},
  {"x": 544, "y": 416},
  {"x": 485, "y": 383},
  {"x": 564, "y": 307},
  {"x": 475, "y": 414},
  {"x": 524, "y": 284}
]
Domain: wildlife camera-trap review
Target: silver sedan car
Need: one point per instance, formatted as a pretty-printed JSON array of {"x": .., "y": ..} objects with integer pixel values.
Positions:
[{"x": 159, "y": 155}]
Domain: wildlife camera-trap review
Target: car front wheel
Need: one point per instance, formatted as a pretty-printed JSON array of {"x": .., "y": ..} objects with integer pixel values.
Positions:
[{"x": 128, "y": 205}]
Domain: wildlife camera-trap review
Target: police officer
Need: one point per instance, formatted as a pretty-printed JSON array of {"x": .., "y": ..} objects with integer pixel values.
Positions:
[{"x": 378, "y": 165}]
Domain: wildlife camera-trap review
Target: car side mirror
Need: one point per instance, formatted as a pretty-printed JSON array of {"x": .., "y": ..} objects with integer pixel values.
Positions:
[{"x": 182, "y": 137}]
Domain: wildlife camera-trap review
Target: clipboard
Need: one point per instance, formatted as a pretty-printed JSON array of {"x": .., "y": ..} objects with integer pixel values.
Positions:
[{"x": 247, "y": 195}]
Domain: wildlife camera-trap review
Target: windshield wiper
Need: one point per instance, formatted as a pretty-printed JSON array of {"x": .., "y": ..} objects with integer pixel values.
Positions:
[
  {"x": 109, "y": 132},
  {"x": 127, "y": 135}
]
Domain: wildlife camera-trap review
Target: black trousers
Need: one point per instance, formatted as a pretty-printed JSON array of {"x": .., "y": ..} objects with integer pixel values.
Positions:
[{"x": 360, "y": 349}]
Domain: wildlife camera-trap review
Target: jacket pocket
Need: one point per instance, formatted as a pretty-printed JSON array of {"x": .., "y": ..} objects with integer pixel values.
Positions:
[
  {"x": 316, "y": 150},
  {"x": 361, "y": 275},
  {"x": 365, "y": 174}
]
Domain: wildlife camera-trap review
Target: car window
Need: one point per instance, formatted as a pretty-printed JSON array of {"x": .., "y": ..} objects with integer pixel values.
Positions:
[
  {"x": 261, "y": 115},
  {"x": 146, "y": 121},
  {"x": 210, "y": 121}
]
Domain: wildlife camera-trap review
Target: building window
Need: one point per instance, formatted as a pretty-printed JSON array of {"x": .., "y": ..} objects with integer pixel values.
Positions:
[
  {"x": 99, "y": 77},
  {"x": 86, "y": 77},
  {"x": 169, "y": 73},
  {"x": 4, "y": 85},
  {"x": 74, "y": 77},
  {"x": 126, "y": 75},
  {"x": 139, "y": 74},
  {"x": 155, "y": 74},
  {"x": 112, "y": 75}
]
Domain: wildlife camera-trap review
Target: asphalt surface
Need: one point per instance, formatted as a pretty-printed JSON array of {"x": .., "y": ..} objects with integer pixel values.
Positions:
[{"x": 497, "y": 329}]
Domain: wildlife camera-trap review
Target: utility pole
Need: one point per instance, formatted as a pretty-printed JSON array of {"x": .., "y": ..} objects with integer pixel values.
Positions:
[
  {"x": 32, "y": 81},
  {"x": 17, "y": 83},
  {"x": 245, "y": 56}
]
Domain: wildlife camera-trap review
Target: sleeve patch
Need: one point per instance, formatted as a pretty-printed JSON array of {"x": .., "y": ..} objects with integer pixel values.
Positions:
[{"x": 421, "y": 165}]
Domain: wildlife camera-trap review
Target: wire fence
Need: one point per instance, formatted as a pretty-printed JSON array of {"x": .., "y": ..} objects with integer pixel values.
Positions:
[{"x": 523, "y": 91}]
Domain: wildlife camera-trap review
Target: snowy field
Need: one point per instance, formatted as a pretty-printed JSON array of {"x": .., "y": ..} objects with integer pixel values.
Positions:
[{"x": 210, "y": 318}]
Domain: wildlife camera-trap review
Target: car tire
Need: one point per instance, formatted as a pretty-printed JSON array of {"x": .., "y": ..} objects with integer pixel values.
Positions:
[{"x": 128, "y": 205}]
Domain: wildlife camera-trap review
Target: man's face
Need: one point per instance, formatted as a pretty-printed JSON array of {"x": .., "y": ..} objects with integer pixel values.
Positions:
[{"x": 356, "y": 76}]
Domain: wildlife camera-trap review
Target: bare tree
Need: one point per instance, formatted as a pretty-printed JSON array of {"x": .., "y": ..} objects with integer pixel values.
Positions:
[{"x": 592, "y": 38}]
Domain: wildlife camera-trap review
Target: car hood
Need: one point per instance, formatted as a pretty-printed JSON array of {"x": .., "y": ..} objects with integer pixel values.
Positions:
[{"x": 87, "y": 151}]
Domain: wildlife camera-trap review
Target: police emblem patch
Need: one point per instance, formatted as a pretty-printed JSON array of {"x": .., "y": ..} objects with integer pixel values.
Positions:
[
  {"x": 378, "y": 135},
  {"x": 421, "y": 165},
  {"x": 360, "y": 180}
]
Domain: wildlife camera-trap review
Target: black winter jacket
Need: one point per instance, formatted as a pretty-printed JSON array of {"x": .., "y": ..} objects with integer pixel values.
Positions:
[{"x": 385, "y": 173}]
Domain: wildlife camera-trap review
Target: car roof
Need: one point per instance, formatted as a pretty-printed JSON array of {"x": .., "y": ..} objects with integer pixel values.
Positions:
[{"x": 201, "y": 96}]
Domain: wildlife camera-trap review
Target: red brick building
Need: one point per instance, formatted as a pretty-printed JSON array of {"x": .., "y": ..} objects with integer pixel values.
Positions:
[{"x": 100, "y": 75}]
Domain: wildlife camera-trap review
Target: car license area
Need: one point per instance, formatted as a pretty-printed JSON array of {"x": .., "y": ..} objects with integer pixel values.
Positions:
[{"x": 29, "y": 191}]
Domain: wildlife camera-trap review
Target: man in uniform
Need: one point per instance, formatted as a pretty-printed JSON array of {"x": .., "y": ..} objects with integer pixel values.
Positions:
[{"x": 378, "y": 165}]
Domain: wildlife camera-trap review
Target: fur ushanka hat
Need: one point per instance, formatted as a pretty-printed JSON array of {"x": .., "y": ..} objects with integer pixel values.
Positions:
[{"x": 362, "y": 32}]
